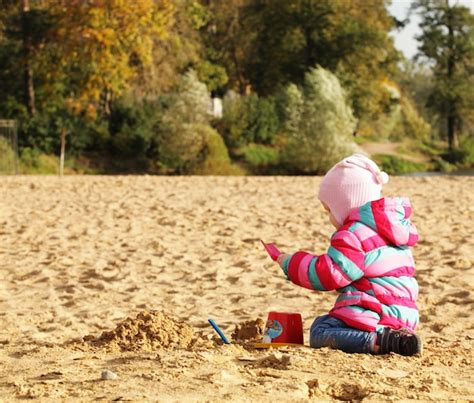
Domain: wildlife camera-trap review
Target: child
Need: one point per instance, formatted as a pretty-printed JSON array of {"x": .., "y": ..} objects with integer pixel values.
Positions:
[{"x": 368, "y": 262}]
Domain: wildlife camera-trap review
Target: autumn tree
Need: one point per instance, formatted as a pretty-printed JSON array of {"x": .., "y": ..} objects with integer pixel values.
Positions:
[
  {"x": 98, "y": 47},
  {"x": 447, "y": 41},
  {"x": 174, "y": 53}
]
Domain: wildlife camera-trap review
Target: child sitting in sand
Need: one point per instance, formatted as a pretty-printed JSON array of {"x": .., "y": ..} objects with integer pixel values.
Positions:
[{"x": 368, "y": 262}]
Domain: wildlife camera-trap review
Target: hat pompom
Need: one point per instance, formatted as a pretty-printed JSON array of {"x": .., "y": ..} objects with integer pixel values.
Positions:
[{"x": 382, "y": 177}]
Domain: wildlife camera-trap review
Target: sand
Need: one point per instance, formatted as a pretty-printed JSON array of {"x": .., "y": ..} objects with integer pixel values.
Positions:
[{"x": 81, "y": 255}]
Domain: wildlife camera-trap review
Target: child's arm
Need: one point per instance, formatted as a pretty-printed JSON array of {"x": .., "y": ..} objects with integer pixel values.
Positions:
[
  {"x": 412, "y": 235},
  {"x": 341, "y": 265}
]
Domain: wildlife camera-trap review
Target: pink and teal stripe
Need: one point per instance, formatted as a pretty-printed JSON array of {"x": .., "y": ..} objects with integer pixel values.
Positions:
[{"x": 369, "y": 262}]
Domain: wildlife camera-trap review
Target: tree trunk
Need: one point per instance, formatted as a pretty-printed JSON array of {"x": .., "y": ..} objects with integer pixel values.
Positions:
[
  {"x": 452, "y": 132},
  {"x": 452, "y": 114},
  {"x": 30, "y": 89},
  {"x": 28, "y": 69}
]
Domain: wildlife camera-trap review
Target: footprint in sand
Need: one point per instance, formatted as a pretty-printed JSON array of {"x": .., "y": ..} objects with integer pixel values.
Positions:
[
  {"x": 69, "y": 304},
  {"x": 232, "y": 280},
  {"x": 457, "y": 298}
]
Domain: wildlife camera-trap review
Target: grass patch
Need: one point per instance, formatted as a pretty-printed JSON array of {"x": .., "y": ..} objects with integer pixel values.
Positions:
[
  {"x": 259, "y": 155},
  {"x": 463, "y": 156},
  {"x": 217, "y": 160},
  {"x": 7, "y": 156},
  {"x": 33, "y": 162},
  {"x": 394, "y": 165}
]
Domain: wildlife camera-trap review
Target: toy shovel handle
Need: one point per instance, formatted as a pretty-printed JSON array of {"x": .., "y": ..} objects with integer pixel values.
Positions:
[{"x": 272, "y": 250}]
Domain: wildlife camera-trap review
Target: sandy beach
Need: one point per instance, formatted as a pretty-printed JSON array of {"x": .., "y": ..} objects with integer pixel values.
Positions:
[{"x": 79, "y": 255}]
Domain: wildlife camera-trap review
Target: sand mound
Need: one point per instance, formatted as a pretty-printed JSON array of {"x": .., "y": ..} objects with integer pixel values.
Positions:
[
  {"x": 248, "y": 331},
  {"x": 150, "y": 330}
]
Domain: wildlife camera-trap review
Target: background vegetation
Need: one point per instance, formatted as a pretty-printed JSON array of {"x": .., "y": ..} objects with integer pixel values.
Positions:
[{"x": 302, "y": 83}]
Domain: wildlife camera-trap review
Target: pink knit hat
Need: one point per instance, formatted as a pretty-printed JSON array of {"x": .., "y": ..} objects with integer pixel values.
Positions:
[{"x": 351, "y": 183}]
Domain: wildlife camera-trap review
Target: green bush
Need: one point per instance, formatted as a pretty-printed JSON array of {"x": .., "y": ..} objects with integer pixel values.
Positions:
[
  {"x": 387, "y": 125},
  {"x": 440, "y": 165},
  {"x": 248, "y": 119},
  {"x": 37, "y": 133},
  {"x": 258, "y": 155},
  {"x": 262, "y": 120},
  {"x": 7, "y": 156},
  {"x": 32, "y": 161},
  {"x": 467, "y": 144},
  {"x": 181, "y": 147},
  {"x": 394, "y": 165},
  {"x": 317, "y": 122},
  {"x": 30, "y": 157},
  {"x": 191, "y": 103},
  {"x": 132, "y": 126},
  {"x": 216, "y": 159},
  {"x": 410, "y": 124},
  {"x": 429, "y": 148},
  {"x": 42, "y": 132},
  {"x": 181, "y": 135},
  {"x": 213, "y": 75},
  {"x": 462, "y": 156},
  {"x": 234, "y": 120}
]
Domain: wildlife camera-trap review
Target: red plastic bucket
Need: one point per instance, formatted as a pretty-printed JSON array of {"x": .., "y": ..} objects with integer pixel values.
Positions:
[{"x": 283, "y": 327}]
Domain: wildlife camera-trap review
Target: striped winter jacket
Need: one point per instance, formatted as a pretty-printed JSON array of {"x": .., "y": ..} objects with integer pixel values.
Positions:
[{"x": 370, "y": 264}]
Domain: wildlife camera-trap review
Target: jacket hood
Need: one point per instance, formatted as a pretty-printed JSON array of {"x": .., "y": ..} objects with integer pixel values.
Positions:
[{"x": 390, "y": 218}]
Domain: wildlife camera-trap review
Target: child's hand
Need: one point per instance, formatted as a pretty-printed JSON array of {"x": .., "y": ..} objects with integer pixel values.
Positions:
[{"x": 282, "y": 258}]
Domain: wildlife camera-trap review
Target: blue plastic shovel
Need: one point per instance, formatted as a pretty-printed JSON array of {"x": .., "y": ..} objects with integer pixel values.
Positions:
[{"x": 218, "y": 331}]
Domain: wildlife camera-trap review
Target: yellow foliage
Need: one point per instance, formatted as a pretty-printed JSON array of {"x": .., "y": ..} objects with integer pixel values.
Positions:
[{"x": 105, "y": 40}]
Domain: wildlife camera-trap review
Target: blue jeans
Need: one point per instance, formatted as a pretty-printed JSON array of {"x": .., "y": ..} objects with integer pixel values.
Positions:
[{"x": 327, "y": 331}]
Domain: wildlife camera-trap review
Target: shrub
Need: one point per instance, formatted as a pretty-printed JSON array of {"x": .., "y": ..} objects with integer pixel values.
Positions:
[
  {"x": 318, "y": 123},
  {"x": 42, "y": 132},
  {"x": 441, "y": 165},
  {"x": 467, "y": 144},
  {"x": 29, "y": 157},
  {"x": 462, "y": 156},
  {"x": 248, "y": 119},
  {"x": 259, "y": 155},
  {"x": 410, "y": 124},
  {"x": 234, "y": 120},
  {"x": 213, "y": 75},
  {"x": 216, "y": 158},
  {"x": 262, "y": 120},
  {"x": 181, "y": 137},
  {"x": 191, "y": 103},
  {"x": 38, "y": 133},
  {"x": 132, "y": 126},
  {"x": 181, "y": 147},
  {"x": 32, "y": 161},
  {"x": 7, "y": 156}
]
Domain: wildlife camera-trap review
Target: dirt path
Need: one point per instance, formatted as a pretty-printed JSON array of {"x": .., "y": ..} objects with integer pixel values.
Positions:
[{"x": 372, "y": 148}]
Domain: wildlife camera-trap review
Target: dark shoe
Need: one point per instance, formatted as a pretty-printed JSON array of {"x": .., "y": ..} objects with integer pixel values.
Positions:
[{"x": 400, "y": 342}]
